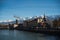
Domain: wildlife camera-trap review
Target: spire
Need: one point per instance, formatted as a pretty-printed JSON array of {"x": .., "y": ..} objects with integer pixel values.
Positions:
[
  {"x": 44, "y": 17},
  {"x": 44, "y": 14}
]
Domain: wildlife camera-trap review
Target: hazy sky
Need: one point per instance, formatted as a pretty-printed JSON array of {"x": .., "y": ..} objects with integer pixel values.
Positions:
[{"x": 27, "y": 8}]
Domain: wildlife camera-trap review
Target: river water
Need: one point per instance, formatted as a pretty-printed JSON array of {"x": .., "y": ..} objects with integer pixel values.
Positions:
[{"x": 23, "y": 35}]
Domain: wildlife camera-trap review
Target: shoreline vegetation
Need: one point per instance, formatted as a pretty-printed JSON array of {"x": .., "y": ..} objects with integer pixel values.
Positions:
[{"x": 55, "y": 23}]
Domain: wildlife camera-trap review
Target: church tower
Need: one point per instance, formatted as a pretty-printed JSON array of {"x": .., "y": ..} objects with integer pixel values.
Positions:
[
  {"x": 44, "y": 18},
  {"x": 44, "y": 21},
  {"x": 16, "y": 21}
]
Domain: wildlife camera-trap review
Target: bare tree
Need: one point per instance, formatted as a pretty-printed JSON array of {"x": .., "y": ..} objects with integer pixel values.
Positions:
[{"x": 56, "y": 21}]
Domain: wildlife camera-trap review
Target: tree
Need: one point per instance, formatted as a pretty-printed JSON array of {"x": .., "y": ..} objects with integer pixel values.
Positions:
[{"x": 56, "y": 21}]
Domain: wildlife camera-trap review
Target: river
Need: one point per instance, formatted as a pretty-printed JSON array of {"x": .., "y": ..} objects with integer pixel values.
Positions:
[{"x": 23, "y": 35}]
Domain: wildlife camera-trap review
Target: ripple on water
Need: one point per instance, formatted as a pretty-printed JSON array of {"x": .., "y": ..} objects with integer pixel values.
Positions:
[{"x": 23, "y": 35}]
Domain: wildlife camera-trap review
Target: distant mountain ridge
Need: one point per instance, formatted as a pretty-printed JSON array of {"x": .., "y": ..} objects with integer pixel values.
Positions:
[{"x": 12, "y": 22}]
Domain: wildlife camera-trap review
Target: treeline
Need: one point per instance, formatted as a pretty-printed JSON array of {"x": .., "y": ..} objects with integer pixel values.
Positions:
[
  {"x": 56, "y": 21},
  {"x": 3, "y": 25}
]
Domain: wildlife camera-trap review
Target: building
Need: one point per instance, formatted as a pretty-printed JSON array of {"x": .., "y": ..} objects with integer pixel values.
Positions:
[{"x": 38, "y": 22}]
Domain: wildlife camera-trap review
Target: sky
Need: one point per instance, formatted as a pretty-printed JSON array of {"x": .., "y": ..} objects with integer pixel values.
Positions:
[{"x": 28, "y": 8}]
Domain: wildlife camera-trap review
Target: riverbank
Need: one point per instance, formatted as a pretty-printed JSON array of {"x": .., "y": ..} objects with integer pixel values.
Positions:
[
  {"x": 4, "y": 28},
  {"x": 48, "y": 32}
]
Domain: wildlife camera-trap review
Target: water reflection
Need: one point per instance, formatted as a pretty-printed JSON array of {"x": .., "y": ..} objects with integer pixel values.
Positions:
[{"x": 22, "y": 35}]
